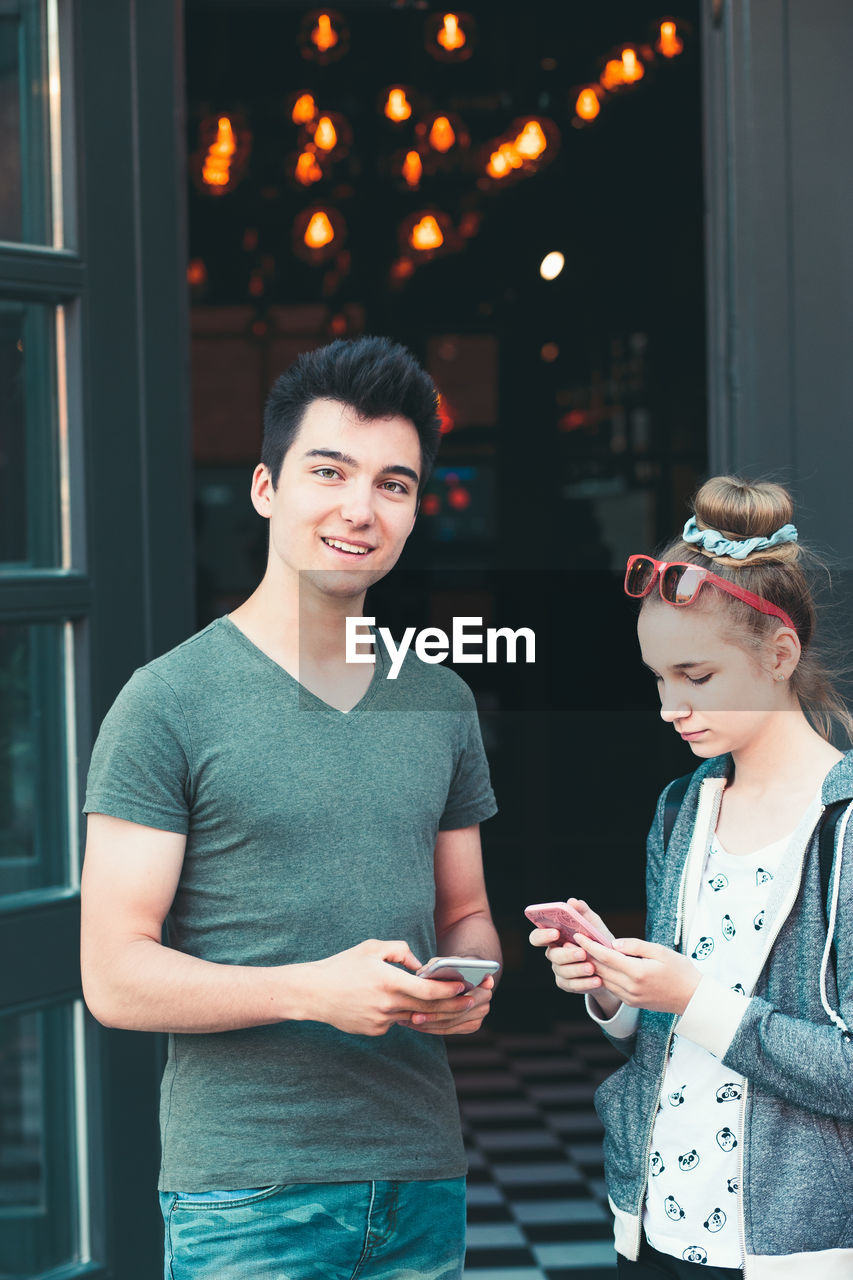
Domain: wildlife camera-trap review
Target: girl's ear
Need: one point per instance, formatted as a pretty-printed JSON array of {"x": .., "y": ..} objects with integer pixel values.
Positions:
[{"x": 785, "y": 653}]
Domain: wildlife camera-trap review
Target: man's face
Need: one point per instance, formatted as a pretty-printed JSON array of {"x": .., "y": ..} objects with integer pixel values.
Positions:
[{"x": 346, "y": 499}]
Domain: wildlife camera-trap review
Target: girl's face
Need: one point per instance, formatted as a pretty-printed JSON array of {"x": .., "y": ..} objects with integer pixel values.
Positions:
[{"x": 717, "y": 693}]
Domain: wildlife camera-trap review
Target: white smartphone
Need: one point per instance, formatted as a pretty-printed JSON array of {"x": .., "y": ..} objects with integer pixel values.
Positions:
[{"x": 467, "y": 969}]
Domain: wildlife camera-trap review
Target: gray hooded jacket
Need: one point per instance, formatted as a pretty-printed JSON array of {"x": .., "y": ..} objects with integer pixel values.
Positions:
[{"x": 787, "y": 1036}]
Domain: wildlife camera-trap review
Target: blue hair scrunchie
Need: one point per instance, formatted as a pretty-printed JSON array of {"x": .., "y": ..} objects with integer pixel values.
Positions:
[{"x": 712, "y": 540}]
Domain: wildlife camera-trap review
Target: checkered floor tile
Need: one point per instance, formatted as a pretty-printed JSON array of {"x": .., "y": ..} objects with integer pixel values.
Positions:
[{"x": 537, "y": 1206}]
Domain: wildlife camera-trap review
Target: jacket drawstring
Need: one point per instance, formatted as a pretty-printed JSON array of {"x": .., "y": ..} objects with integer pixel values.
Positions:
[{"x": 831, "y": 1013}]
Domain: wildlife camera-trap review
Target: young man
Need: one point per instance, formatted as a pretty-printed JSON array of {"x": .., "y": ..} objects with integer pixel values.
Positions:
[{"x": 308, "y": 831}]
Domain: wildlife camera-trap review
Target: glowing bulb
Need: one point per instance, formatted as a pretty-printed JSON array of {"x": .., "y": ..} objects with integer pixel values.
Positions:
[
  {"x": 324, "y": 36},
  {"x": 398, "y": 107},
  {"x": 632, "y": 67},
  {"x": 587, "y": 105},
  {"x": 669, "y": 44},
  {"x": 504, "y": 160},
  {"x": 531, "y": 142},
  {"x": 451, "y": 36},
  {"x": 551, "y": 265},
  {"x": 426, "y": 234},
  {"x": 412, "y": 168},
  {"x": 325, "y": 135},
  {"x": 441, "y": 135},
  {"x": 613, "y": 74},
  {"x": 304, "y": 109},
  {"x": 307, "y": 169},
  {"x": 216, "y": 171},
  {"x": 319, "y": 231}
]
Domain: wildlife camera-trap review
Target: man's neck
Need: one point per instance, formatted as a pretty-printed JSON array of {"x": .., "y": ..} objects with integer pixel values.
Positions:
[{"x": 304, "y": 631}]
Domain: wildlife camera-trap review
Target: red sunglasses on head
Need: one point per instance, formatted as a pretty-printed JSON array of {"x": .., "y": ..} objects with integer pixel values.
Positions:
[{"x": 680, "y": 583}]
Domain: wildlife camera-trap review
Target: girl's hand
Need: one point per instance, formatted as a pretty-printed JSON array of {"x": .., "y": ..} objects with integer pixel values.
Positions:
[
  {"x": 573, "y": 971},
  {"x": 645, "y": 974}
]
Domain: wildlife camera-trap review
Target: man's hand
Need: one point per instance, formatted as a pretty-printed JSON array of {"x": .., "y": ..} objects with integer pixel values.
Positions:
[
  {"x": 644, "y": 974},
  {"x": 447, "y": 1021},
  {"x": 359, "y": 991}
]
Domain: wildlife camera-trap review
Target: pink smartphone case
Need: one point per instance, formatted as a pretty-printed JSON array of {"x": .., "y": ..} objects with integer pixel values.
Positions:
[{"x": 559, "y": 915}]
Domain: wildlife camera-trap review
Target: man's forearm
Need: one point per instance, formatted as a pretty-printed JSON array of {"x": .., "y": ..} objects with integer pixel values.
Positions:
[
  {"x": 145, "y": 986},
  {"x": 472, "y": 935}
]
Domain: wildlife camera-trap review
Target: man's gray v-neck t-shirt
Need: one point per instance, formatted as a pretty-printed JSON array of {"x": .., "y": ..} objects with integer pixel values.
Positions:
[{"x": 308, "y": 831}]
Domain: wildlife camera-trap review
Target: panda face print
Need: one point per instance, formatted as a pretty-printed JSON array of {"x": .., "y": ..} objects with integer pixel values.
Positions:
[
  {"x": 688, "y": 1161},
  {"x": 694, "y": 1253},
  {"x": 673, "y": 1042},
  {"x": 728, "y": 928},
  {"x": 739, "y": 989},
  {"x": 732, "y": 1185},
  {"x": 762, "y": 876},
  {"x": 758, "y": 922},
  {"x": 729, "y": 1092},
  {"x": 673, "y": 1209},
  {"x": 726, "y": 1140},
  {"x": 718, "y": 882},
  {"x": 656, "y": 1164},
  {"x": 704, "y": 947},
  {"x": 715, "y": 1220},
  {"x": 676, "y": 1098}
]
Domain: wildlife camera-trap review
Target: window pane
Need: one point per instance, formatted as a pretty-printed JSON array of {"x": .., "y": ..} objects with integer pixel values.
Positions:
[
  {"x": 38, "y": 1184},
  {"x": 33, "y": 773},
  {"x": 29, "y": 488},
  {"x": 24, "y": 129}
]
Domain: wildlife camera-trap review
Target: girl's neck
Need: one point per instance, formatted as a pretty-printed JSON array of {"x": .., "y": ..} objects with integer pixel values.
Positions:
[{"x": 788, "y": 755}]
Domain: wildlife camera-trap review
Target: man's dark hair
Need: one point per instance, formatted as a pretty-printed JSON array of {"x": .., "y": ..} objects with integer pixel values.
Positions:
[{"x": 374, "y": 376}]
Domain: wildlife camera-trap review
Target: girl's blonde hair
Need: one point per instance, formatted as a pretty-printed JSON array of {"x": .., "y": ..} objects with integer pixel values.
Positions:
[{"x": 740, "y": 510}]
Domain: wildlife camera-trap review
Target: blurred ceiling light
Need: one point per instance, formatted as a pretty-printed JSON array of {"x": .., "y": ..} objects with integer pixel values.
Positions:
[
  {"x": 319, "y": 231},
  {"x": 324, "y": 36},
  {"x": 325, "y": 135},
  {"x": 304, "y": 109},
  {"x": 551, "y": 265},
  {"x": 587, "y": 105},
  {"x": 503, "y": 161},
  {"x": 402, "y": 268},
  {"x": 222, "y": 155},
  {"x": 307, "y": 170},
  {"x": 450, "y": 36},
  {"x": 216, "y": 170},
  {"x": 632, "y": 66},
  {"x": 413, "y": 169},
  {"x": 549, "y": 352},
  {"x": 531, "y": 142},
  {"x": 397, "y": 105},
  {"x": 426, "y": 234},
  {"x": 442, "y": 135},
  {"x": 196, "y": 272},
  {"x": 668, "y": 43}
]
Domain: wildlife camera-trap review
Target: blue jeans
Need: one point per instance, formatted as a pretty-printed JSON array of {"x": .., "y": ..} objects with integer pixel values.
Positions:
[{"x": 306, "y": 1230}]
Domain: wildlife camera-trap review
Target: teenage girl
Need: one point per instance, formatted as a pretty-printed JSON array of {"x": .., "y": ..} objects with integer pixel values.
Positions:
[{"x": 729, "y": 1131}]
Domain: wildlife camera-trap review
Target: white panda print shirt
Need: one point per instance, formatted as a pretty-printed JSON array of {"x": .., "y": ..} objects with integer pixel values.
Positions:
[{"x": 691, "y": 1209}]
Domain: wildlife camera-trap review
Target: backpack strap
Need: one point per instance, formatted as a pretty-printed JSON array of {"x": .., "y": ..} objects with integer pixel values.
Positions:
[
  {"x": 671, "y": 805},
  {"x": 826, "y": 849}
]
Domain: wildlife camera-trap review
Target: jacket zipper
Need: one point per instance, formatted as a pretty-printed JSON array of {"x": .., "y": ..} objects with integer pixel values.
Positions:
[
  {"x": 740, "y": 1187},
  {"x": 643, "y": 1189}
]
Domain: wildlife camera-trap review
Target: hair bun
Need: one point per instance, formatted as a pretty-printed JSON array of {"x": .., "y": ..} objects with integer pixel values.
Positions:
[{"x": 738, "y": 509}]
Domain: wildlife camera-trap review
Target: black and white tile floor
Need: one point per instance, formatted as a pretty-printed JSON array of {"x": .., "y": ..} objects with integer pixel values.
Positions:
[{"x": 537, "y": 1206}]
